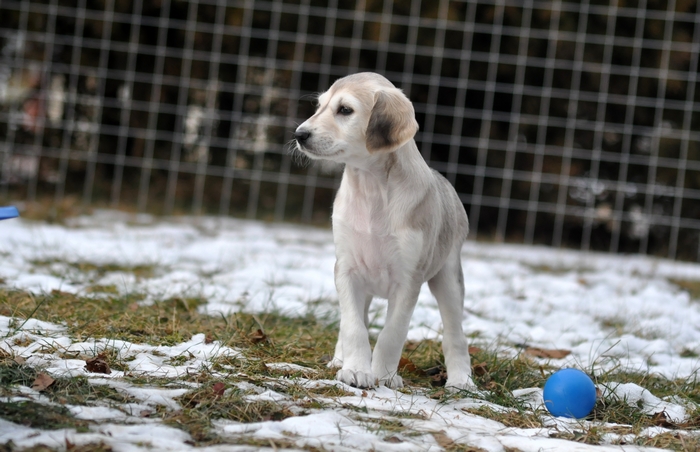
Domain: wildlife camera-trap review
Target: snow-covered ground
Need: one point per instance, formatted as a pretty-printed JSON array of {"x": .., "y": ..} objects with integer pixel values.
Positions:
[{"x": 609, "y": 311}]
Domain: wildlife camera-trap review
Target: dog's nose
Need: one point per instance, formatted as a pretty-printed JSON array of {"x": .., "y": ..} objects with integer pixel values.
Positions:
[{"x": 301, "y": 135}]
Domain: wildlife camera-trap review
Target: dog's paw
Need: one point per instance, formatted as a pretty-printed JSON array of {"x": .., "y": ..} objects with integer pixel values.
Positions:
[
  {"x": 464, "y": 383},
  {"x": 335, "y": 363},
  {"x": 356, "y": 378},
  {"x": 393, "y": 381}
]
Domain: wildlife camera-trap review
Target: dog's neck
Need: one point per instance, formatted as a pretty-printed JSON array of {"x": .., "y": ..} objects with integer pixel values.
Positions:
[
  {"x": 385, "y": 186},
  {"x": 383, "y": 189},
  {"x": 405, "y": 163}
]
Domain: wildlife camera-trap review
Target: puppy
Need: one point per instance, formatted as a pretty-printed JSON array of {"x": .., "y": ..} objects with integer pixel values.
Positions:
[{"x": 396, "y": 224}]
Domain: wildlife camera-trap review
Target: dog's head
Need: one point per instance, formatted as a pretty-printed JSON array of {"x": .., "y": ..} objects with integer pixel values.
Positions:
[{"x": 359, "y": 115}]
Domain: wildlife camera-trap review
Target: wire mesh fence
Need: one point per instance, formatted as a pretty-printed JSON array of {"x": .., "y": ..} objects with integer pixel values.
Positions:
[{"x": 559, "y": 122}]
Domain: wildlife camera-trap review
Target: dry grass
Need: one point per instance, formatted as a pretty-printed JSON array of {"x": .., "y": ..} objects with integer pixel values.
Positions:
[
  {"x": 510, "y": 418},
  {"x": 306, "y": 341},
  {"x": 690, "y": 286}
]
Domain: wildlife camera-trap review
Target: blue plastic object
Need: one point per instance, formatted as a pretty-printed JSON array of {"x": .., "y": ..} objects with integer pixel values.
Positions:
[
  {"x": 8, "y": 212},
  {"x": 569, "y": 393}
]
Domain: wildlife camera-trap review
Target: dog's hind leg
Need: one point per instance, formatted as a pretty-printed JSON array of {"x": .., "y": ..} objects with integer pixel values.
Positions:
[{"x": 448, "y": 288}]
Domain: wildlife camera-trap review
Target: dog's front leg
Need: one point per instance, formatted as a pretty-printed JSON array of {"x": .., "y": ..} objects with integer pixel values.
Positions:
[
  {"x": 387, "y": 351},
  {"x": 353, "y": 340},
  {"x": 337, "y": 360}
]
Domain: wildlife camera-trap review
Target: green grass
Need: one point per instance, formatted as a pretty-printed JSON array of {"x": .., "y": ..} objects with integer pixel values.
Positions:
[
  {"x": 14, "y": 373},
  {"x": 306, "y": 341},
  {"x": 64, "y": 391},
  {"x": 140, "y": 271},
  {"x": 39, "y": 415}
]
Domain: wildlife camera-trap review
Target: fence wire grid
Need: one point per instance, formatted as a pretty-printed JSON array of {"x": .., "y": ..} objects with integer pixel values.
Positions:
[{"x": 559, "y": 122}]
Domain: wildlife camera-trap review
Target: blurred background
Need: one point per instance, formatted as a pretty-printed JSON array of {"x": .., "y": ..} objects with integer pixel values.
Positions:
[{"x": 565, "y": 123}]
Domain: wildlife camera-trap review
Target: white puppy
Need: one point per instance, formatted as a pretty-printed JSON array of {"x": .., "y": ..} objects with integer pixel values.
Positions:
[{"x": 396, "y": 224}]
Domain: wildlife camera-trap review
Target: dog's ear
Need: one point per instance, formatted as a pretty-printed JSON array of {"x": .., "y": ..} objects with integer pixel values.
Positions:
[{"x": 392, "y": 122}]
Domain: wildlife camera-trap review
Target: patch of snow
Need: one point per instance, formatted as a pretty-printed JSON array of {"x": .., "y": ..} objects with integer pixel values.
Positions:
[
  {"x": 611, "y": 312},
  {"x": 290, "y": 368},
  {"x": 636, "y": 396}
]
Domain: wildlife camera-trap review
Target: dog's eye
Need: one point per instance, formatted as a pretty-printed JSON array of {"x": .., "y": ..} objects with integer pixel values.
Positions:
[{"x": 345, "y": 111}]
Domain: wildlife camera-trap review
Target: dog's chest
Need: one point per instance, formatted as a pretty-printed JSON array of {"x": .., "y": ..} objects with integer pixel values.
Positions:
[
  {"x": 375, "y": 260},
  {"x": 368, "y": 247}
]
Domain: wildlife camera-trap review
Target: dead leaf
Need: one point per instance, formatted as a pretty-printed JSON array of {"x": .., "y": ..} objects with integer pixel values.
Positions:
[
  {"x": 437, "y": 394},
  {"x": 491, "y": 386},
  {"x": 547, "y": 353},
  {"x": 411, "y": 345},
  {"x": 660, "y": 419},
  {"x": 258, "y": 336},
  {"x": 393, "y": 439},
  {"x": 208, "y": 339},
  {"x": 219, "y": 389},
  {"x": 98, "y": 365},
  {"x": 19, "y": 360},
  {"x": 438, "y": 380},
  {"x": 145, "y": 413},
  {"x": 438, "y": 376},
  {"x": 406, "y": 365},
  {"x": 480, "y": 369},
  {"x": 473, "y": 350},
  {"x": 364, "y": 393},
  {"x": 442, "y": 439},
  {"x": 42, "y": 382}
]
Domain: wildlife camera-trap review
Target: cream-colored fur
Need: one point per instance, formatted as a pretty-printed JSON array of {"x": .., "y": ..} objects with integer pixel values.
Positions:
[{"x": 396, "y": 224}]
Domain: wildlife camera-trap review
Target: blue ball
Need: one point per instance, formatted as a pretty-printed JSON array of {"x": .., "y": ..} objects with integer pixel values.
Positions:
[{"x": 569, "y": 393}]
